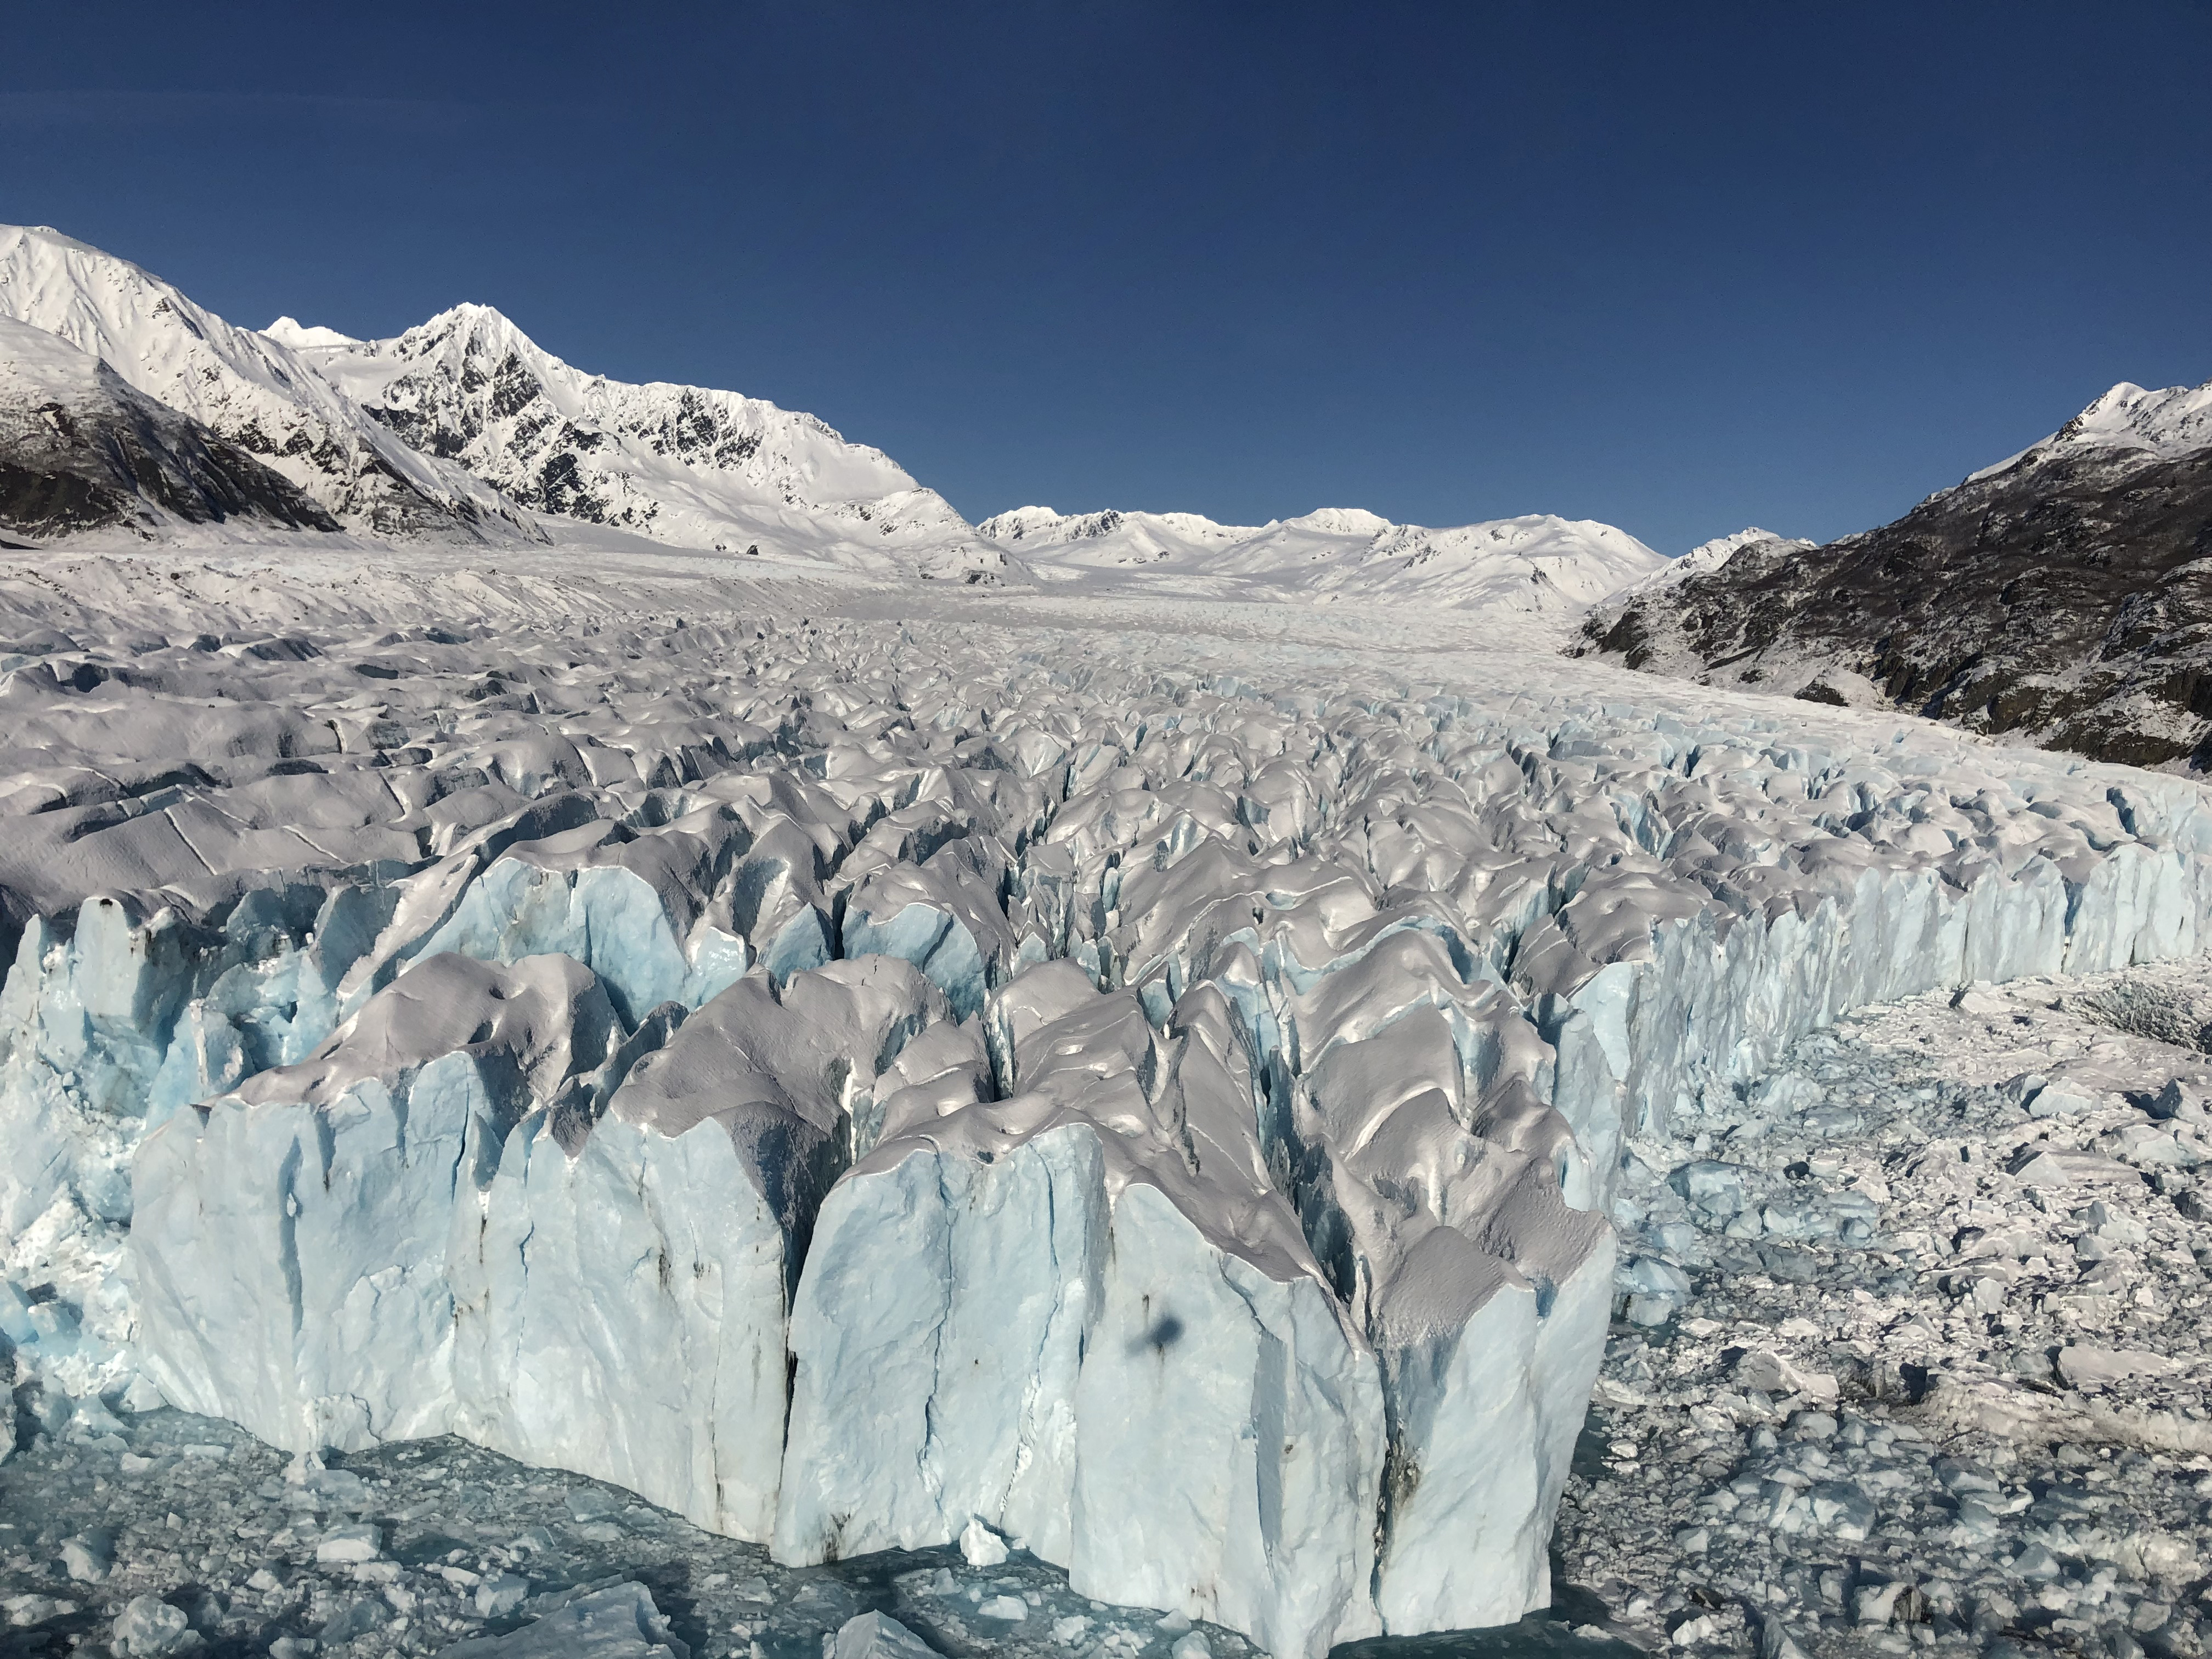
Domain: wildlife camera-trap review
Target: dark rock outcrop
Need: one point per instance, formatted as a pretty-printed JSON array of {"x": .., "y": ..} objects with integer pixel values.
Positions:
[
  {"x": 2064, "y": 597},
  {"x": 81, "y": 450}
]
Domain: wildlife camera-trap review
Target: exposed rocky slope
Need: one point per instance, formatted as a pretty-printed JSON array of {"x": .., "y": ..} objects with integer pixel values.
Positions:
[
  {"x": 81, "y": 450},
  {"x": 2064, "y": 595}
]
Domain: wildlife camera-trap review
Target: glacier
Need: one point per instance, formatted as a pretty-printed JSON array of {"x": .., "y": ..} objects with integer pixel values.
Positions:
[
  {"x": 1092, "y": 1060},
  {"x": 1158, "y": 1097}
]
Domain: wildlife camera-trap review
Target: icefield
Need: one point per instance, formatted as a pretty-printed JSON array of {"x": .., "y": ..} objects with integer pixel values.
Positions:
[{"x": 1152, "y": 1086}]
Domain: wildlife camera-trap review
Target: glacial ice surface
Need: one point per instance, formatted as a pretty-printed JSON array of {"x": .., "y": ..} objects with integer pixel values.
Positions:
[{"x": 1153, "y": 1088}]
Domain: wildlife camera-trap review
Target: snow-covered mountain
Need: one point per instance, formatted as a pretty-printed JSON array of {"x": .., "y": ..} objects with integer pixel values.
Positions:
[
  {"x": 1712, "y": 555},
  {"x": 2059, "y": 594},
  {"x": 1706, "y": 557},
  {"x": 249, "y": 390},
  {"x": 1536, "y": 563},
  {"x": 81, "y": 449},
  {"x": 683, "y": 464}
]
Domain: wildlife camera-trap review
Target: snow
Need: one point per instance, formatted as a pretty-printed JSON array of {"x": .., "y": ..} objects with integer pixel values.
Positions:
[
  {"x": 463, "y": 426},
  {"x": 43, "y": 365},
  {"x": 1703, "y": 559},
  {"x": 683, "y": 464},
  {"x": 287, "y": 330}
]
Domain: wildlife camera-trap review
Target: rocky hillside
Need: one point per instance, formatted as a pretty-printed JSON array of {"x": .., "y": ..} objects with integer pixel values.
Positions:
[
  {"x": 2064, "y": 596},
  {"x": 81, "y": 450}
]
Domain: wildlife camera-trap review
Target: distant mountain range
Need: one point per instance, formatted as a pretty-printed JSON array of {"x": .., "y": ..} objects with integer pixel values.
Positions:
[
  {"x": 1536, "y": 563},
  {"x": 463, "y": 430},
  {"x": 2062, "y": 596}
]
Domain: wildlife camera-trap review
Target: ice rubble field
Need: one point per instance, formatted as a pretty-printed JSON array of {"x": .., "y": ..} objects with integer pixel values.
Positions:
[{"x": 1105, "y": 1079}]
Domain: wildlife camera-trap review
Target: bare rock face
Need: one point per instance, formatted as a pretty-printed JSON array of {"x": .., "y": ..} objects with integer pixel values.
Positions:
[
  {"x": 81, "y": 450},
  {"x": 2062, "y": 596}
]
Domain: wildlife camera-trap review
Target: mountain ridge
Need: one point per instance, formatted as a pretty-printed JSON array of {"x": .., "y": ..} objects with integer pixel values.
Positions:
[
  {"x": 690, "y": 465},
  {"x": 1537, "y": 563},
  {"x": 463, "y": 428},
  {"x": 250, "y": 391}
]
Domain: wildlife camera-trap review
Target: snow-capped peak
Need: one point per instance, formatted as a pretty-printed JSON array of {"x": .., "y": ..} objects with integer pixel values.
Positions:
[
  {"x": 682, "y": 464},
  {"x": 289, "y": 331},
  {"x": 2165, "y": 424},
  {"x": 1015, "y": 523},
  {"x": 1710, "y": 556},
  {"x": 2175, "y": 421}
]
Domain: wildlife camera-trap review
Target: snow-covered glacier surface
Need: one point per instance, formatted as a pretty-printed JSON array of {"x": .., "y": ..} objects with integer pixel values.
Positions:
[{"x": 1147, "y": 1083}]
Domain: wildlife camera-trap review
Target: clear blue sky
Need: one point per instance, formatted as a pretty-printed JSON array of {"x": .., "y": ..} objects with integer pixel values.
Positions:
[{"x": 1680, "y": 267}]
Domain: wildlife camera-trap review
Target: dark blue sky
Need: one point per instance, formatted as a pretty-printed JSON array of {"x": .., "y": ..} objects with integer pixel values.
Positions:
[{"x": 1682, "y": 268}]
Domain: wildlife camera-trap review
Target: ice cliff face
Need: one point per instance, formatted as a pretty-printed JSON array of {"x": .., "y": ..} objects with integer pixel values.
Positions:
[
  {"x": 680, "y": 464},
  {"x": 248, "y": 389},
  {"x": 81, "y": 450},
  {"x": 1536, "y": 564},
  {"x": 1157, "y": 1100},
  {"x": 2058, "y": 596}
]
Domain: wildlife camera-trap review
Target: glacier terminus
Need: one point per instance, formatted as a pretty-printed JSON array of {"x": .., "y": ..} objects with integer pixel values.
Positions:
[{"x": 602, "y": 938}]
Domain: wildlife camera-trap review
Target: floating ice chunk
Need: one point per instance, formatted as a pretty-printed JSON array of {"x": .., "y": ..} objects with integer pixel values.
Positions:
[
  {"x": 1657, "y": 1284},
  {"x": 500, "y": 1595},
  {"x": 621, "y": 1622},
  {"x": 355, "y": 1542},
  {"x": 88, "y": 1559},
  {"x": 879, "y": 1635},
  {"x": 2081, "y": 1366},
  {"x": 149, "y": 1628}
]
